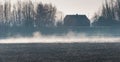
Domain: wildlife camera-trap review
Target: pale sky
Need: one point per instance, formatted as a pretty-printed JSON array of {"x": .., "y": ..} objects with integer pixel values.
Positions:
[{"x": 88, "y": 7}]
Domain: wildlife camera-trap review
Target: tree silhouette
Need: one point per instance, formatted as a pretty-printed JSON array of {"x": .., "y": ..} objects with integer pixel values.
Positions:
[
  {"x": 45, "y": 15},
  {"x": 25, "y": 17},
  {"x": 25, "y": 13},
  {"x": 109, "y": 16}
]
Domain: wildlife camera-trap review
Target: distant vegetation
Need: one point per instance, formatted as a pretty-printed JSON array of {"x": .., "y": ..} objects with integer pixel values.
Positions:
[
  {"x": 27, "y": 14},
  {"x": 109, "y": 15},
  {"x": 25, "y": 18}
]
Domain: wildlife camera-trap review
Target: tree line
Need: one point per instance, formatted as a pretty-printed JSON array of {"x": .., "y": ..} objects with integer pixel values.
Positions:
[
  {"x": 27, "y": 14},
  {"x": 109, "y": 15},
  {"x": 24, "y": 18}
]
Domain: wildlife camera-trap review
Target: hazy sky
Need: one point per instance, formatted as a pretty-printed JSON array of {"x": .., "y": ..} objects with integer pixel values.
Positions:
[{"x": 88, "y": 7}]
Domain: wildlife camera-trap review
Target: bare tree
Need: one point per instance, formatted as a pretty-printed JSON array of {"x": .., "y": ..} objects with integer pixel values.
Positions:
[
  {"x": 45, "y": 15},
  {"x": 110, "y": 14}
]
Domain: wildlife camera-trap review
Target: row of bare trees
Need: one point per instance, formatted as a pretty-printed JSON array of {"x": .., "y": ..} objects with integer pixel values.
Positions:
[
  {"x": 109, "y": 15},
  {"x": 25, "y": 18},
  {"x": 27, "y": 14}
]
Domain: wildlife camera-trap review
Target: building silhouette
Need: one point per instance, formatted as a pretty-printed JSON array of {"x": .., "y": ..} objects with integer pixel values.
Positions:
[{"x": 76, "y": 20}]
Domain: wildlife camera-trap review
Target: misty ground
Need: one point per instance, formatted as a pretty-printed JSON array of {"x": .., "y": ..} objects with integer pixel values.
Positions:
[
  {"x": 60, "y": 31},
  {"x": 60, "y": 52}
]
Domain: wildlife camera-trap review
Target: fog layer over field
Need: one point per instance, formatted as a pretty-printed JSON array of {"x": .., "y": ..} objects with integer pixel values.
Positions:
[{"x": 65, "y": 38}]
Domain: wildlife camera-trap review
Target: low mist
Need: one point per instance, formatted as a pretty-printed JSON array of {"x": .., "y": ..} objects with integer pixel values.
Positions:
[{"x": 70, "y": 37}]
